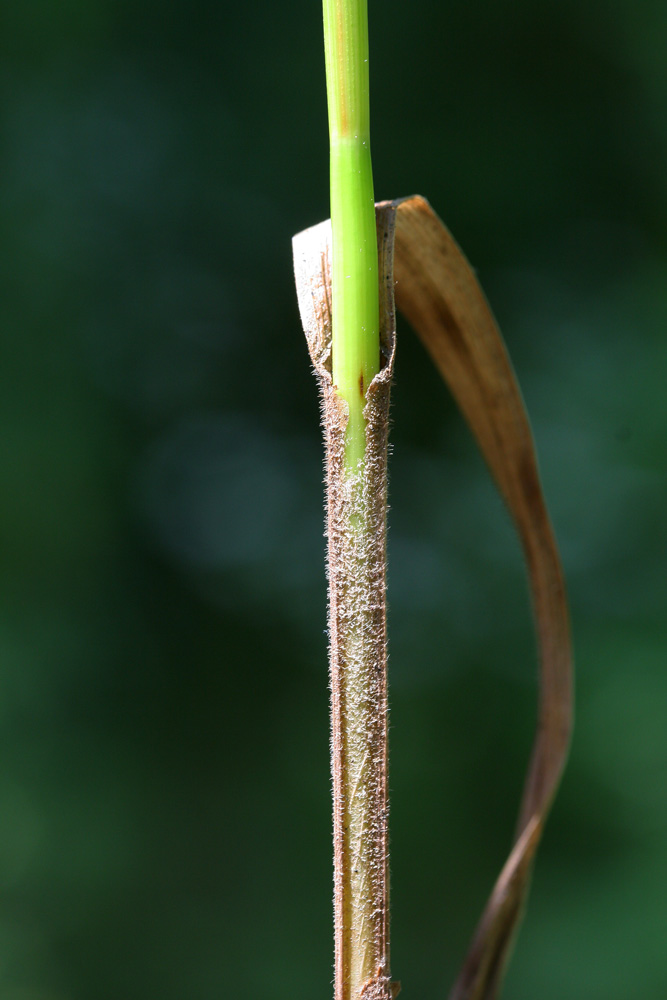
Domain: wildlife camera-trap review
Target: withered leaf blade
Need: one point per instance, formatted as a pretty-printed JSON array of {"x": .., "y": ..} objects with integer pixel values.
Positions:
[{"x": 438, "y": 293}]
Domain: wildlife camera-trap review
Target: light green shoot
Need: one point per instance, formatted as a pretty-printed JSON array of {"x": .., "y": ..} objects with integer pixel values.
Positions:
[{"x": 355, "y": 299}]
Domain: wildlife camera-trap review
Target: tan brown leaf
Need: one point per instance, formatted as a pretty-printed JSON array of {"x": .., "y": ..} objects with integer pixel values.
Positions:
[{"x": 439, "y": 294}]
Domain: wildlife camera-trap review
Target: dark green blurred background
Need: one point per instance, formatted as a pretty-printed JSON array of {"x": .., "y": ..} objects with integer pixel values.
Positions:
[{"x": 164, "y": 786}]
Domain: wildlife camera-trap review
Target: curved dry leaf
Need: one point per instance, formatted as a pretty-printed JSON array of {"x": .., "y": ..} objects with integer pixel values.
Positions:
[{"x": 438, "y": 293}]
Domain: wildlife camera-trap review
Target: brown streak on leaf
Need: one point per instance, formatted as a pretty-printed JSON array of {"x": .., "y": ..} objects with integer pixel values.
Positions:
[{"x": 380, "y": 988}]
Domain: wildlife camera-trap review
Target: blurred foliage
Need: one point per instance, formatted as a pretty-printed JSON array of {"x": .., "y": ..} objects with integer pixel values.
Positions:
[{"x": 164, "y": 790}]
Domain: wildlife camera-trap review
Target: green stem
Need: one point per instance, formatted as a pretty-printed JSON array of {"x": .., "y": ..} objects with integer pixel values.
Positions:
[
  {"x": 355, "y": 310},
  {"x": 358, "y": 691}
]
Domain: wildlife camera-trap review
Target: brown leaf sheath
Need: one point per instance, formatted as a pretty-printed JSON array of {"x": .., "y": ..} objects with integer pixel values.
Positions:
[
  {"x": 356, "y": 531},
  {"x": 438, "y": 293}
]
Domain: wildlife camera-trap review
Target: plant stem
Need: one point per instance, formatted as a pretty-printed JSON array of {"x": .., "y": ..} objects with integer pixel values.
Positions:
[
  {"x": 356, "y": 524},
  {"x": 355, "y": 309}
]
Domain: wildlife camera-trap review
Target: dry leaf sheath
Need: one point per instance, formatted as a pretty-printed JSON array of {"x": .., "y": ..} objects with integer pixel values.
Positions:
[
  {"x": 439, "y": 294},
  {"x": 356, "y": 517}
]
